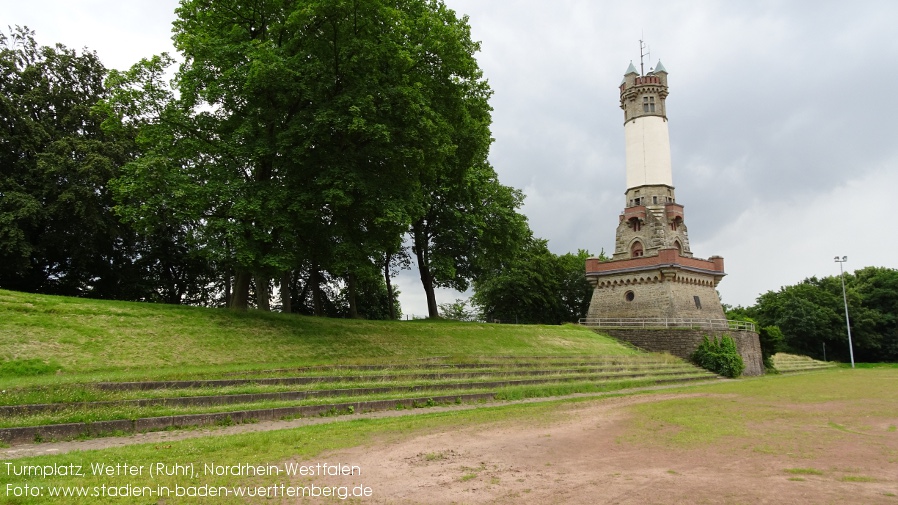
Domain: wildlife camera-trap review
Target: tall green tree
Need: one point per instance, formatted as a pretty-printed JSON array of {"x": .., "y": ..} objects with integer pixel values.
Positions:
[
  {"x": 878, "y": 290},
  {"x": 467, "y": 222},
  {"x": 471, "y": 229},
  {"x": 155, "y": 195},
  {"x": 302, "y": 132},
  {"x": 58, "y": 233},
  {"x": 811, "y": 315},
  {"x": 246, "y": 94},
  {"x": 536, "y": 287}
]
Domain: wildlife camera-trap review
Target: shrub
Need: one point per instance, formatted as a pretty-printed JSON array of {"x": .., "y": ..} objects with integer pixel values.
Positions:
[
  {"x": 460, "y": 310},
  {"x": 719, "y": 356}
]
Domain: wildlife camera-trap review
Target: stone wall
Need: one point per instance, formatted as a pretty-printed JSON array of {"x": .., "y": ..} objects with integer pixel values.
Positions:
[
  {"x": 683, "y": 342},
  {"x": 652, "y": 296}
]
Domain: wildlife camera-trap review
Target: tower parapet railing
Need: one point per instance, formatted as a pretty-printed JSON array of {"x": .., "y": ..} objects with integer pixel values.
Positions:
[{"x": 663, "y": 322}]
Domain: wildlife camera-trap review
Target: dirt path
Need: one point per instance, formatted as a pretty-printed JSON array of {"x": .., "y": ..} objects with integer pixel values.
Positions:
[{"x": 584, "y": 460}]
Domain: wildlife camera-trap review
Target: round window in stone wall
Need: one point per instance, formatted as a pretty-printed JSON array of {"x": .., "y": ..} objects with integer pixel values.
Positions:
[{"x": 629, "y": 296}]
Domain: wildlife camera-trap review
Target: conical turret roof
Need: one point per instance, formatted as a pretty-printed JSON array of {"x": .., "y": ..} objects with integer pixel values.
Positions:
[
  {"x": 660, "y": 68},
  {"x": 631, "y": 69}
]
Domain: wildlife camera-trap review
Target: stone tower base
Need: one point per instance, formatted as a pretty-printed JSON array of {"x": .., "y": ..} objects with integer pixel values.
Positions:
[
  {"x": 683, "y": 342},
  {"x": 667, "y": 285}
]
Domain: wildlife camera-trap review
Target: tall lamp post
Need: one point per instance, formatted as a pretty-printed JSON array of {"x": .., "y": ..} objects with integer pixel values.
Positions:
[{"x": 845, "y": 300}]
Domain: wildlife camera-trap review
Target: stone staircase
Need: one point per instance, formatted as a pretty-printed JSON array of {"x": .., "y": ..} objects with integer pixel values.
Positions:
[
  {"x": 791, "y": 363},
  {"x": 110, "y": 408}
]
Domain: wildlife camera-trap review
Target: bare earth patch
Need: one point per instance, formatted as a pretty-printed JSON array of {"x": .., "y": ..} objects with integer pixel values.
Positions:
[{"x": 587, "y": 456}]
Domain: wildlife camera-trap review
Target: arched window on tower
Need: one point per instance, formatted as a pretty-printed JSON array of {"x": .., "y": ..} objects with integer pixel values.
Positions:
[
  {"x": 679, "y": 247},
  {"x": 635, "y": 224},
  {"x": 636, "y": 250}
]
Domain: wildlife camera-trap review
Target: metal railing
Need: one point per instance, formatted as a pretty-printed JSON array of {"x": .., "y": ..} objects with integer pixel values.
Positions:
[{"x": 663, "y": 322}]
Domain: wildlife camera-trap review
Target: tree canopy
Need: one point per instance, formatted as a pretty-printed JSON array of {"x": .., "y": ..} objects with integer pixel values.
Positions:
[
  {"x": 311, "y": 148},
  {"x": 58, "y": 233},
  {"x": 536, "y": 286},
  {"x": 811, "y": 314}
]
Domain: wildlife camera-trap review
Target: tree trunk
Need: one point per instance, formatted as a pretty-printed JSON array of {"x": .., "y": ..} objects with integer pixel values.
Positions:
[
  {"x": 286, "y": 301},
  {"x": 390, "y": 304},
  {"x": 424, "y": 269},
  {"x": 240, "y": 299},
  {"x": 315, "y": 280},
  {"x": 350, "y": 287},
  {"x": 227, "y": 289},
  {"x": 303, "y": 294},
  {"x": 263, "y": 293}
]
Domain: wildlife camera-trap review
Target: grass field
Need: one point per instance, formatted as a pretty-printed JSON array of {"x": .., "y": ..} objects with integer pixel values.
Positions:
[{"x": 857, "y": 401}]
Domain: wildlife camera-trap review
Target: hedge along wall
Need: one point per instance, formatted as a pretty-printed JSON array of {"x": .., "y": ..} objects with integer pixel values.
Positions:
[{"x": 683, "y": 342}]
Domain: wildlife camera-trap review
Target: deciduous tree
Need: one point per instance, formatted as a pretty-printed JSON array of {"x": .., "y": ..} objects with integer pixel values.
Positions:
[
  {"x": 535, "y": 287},
  {"x": 58, "y": 233},
  {"x": 811, "y": 314}
]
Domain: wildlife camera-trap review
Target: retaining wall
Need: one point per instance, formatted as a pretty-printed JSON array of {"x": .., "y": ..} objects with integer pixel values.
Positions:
[{"x": 682, "y": 342}]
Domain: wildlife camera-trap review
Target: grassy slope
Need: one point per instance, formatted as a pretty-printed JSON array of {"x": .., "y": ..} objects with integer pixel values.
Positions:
[{"x": 96, "y": 335}]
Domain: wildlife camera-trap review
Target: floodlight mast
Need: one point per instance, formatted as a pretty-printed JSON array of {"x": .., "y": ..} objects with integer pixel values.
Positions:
[{"x": 845, "y": 300}]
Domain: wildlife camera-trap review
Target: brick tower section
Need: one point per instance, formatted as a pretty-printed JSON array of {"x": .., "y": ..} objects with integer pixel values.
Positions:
[{"x": 652, "y": 273}]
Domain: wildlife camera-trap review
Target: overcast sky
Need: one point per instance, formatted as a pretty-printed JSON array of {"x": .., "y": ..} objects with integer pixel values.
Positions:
[{"x": 783, "y": 123}]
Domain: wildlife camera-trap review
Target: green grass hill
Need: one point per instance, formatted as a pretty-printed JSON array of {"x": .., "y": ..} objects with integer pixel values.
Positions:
[
  {"x": 85, "y": 336},
  {"x": 73, "y": 367}
]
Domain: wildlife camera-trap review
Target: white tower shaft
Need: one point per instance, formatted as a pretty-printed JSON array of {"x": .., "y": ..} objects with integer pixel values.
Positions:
[{"x": 648, "y": 152}]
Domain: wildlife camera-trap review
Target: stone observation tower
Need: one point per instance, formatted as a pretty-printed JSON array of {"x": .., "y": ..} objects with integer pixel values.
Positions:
[{"x": 652, "y": 273}]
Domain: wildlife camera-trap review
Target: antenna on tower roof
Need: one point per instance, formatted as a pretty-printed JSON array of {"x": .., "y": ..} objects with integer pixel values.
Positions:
[{"x": 642, "y": 54}]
